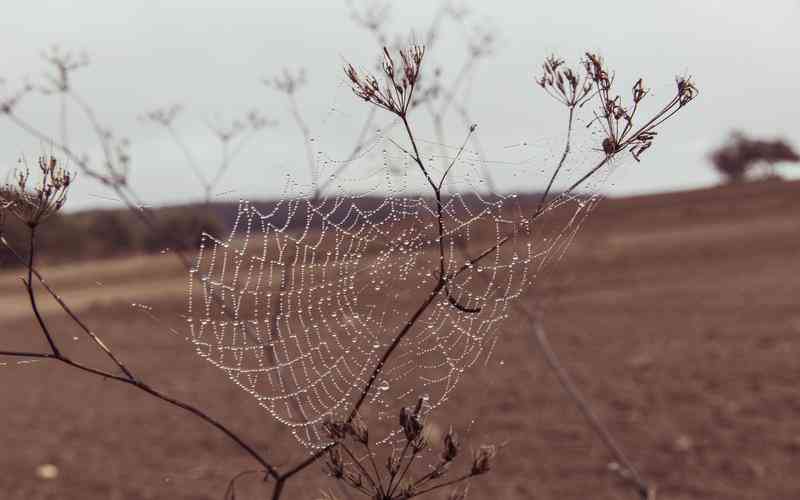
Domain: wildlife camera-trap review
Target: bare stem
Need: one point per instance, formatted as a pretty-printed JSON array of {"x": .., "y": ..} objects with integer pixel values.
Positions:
[
  {"x": 129, "y": 379},
  {"x": 585, "y": 408},
  {"x": 301, "y": 124},
  {"x": 395, "y": 343},
  {"x": 32, "y": 294},
  {"x": 560, "y": 162},
  {"x": 444, "y": 485}
]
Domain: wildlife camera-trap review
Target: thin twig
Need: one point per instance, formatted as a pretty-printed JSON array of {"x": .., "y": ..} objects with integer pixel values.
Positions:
[
  {"x": 560, "y": 162},
  {"x": 32, "y": 295},
  {"x": 585, "y": 408}
]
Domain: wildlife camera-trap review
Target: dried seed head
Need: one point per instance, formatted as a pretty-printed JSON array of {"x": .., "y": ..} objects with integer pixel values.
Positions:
[
  {"x": 32, "y": 204},
  {"x": 287, "y": 82},
  {"x": 396, "y": 94},
  {"x": 451, "y": 446},
  {"x": 164, "y": 116},
  {"x": 483, "y": 459},
  {"x": 373, "y": 16},
  {"x": 618, "y": 121},
  {"x": 686, "y": 89},
  {"x": 411, "y": 423},
  {"x": 639, "y": 91},
  {"x": 610, "y": 146},
  {"x": 563, "y": 84},
  {"x": 596, "y": 71},
  {"x": 64, "y": 63}
]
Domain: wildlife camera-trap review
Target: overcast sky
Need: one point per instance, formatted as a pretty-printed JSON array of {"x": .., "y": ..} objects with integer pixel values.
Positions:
[{"x": 211, "y": 56}]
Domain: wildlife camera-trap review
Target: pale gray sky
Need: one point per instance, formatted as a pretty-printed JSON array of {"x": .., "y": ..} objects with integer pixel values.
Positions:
[{"x": 210, "y": 57}]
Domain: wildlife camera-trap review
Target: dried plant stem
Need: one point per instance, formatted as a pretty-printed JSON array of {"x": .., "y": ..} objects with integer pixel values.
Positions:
[
  {"x": 129, "y": 378},
  {"x": 555, "y": 201},
  {"x": 441, "y": 283},
  {"x": 564, "y": 378},
  {"x": 130, "y": 200},
  {"x": 560, "y": 162},
  {"x": 62, "y": 118},
  {"x": 281, "y": 479},
  {"x": 444, "y": 485},
  {"x": 306, "y": 132},
  {"x": 395, "y": 343},
  {"x": 476, "y": 143},
  {"x": 32, "y": 294},
  {"x": 377, "y": 487},
  {"x": 190, "y": 159}
]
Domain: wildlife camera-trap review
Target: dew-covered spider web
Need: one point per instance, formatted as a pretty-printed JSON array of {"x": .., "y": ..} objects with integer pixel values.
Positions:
[{"x": 300, "y": 300}]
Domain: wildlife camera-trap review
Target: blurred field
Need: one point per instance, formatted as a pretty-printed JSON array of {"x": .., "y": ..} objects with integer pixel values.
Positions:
[{"x": 677, "y": 315}]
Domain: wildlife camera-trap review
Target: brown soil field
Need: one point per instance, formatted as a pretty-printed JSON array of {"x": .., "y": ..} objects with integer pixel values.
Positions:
[{"x": 677, "y": 315}]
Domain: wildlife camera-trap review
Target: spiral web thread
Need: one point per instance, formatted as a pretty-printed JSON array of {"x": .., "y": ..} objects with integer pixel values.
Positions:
[{"x": 300, "y": 301}]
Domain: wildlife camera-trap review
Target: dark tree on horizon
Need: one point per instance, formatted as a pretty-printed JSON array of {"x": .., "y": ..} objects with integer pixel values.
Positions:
[{"x": 741, "y": 155}]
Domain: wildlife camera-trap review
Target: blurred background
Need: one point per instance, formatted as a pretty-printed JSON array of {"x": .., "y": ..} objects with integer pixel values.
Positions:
[
  {"x": 674, "y": 308},
  {"x": 212, "y": 59}
]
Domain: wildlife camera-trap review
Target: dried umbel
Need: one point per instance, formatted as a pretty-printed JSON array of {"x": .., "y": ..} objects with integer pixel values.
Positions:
[
  {"x": 164, "y": 116},
  {"x": 619, "y": 121},
  {"x": 64, "y": 63},
  {"x": 287, "y": 82},
  {"x": 411, "y": 423},
  {"x": 395, "y": 94},
  {"x": 33, "y": 202},
  {"x": 563, "y": 84},
  {"x": 483, "y": 459},
  {"x": 450, "y": 446},
  {"x": 350, "y": 458}
]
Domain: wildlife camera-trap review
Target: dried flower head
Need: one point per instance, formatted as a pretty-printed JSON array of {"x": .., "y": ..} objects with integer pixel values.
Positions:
[
  {"x": 619, "y": 121},
  {"x": 257, "y": 121},
  {"x": 411, "y": 422},
  {"x": 64, "y": 63},
  {"x": 481, "y": 41},
  {"x": 396, "y": 93},
  {"x": 450, "y": 446},
  {"x": 483, "y": 459},
  {"x": 33, "y": 203},
  {"x": 287, "y": 82},
  {"x": 373, "y": 16},
  {"x": 564, "y": 84},
  {"x": 164, "y": 116}
]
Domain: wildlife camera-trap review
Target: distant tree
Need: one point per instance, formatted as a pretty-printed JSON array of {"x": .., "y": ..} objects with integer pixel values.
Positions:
[{"x": 741, "y": 155}]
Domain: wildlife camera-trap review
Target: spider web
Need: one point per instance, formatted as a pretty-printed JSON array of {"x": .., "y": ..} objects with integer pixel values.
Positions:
[{"x": 298, "y": 304}]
